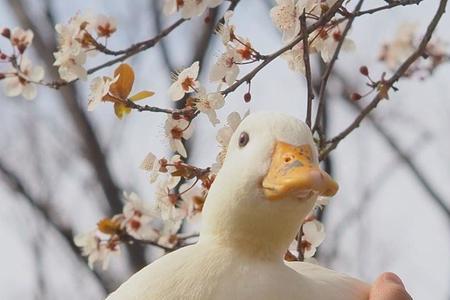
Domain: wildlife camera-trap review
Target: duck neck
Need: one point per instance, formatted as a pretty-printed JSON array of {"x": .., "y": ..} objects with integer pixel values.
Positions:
[{"x": 250, "y": 224}]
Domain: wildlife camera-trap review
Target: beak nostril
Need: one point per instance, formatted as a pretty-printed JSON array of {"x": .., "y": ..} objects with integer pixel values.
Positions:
[{"x": 287, "y": 158}]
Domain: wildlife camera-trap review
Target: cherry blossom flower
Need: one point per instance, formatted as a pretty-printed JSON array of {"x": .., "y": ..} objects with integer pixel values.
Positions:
[
  {"x": 207, "y": 103},
  {"x": 99, "y": 88},
  {"x": 223, "y": 138},
  {"x": 328, "y": 39},
  {"x": 225, "y": 69},
  {"x": 186, "y": 82},
  {"x": 70, "y": 67},
  {"x": 166, "y": 201},
  {"x": 95, "y": 249},
  {"x": 22, "y": 81},
  {"x": 71, "y": 55},
  {"x": 192, "y": 200},
  {"x": 189, "y": 8},
  {"x": 286, "y": 17},
  {"x": 295, "y": 60},
  {"x": 105, "y": 26},
  {"x": 313, "y": 236},
  {"x": 168, "y": 237},
  {"x": 401, "y": 47},
  {"x": 138, "y": 218},
  {"x": 176, "y": 130},
  {"x": 21, "y": 38},
  {"x": 225, "y": 30},
  {"x": 244, "y": 49},
  {"x": 156, "y": 167}
]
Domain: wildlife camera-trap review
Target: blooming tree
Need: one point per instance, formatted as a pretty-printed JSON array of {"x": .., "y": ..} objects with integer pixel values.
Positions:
[{"x": 310, "y": 29}]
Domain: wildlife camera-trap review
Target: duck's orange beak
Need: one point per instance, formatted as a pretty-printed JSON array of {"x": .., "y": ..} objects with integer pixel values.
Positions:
[{"x": 292, "y": 173}]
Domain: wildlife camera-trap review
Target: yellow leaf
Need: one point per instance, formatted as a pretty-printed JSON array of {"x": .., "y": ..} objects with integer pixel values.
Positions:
[
  {"x": 141, "y": 95},
  {"x": 122, "y": 87},
  {"x": 121, "y": 110}
]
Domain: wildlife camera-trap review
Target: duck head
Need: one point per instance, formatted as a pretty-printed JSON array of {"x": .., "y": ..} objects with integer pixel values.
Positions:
[{"x": 268, "y": 183}]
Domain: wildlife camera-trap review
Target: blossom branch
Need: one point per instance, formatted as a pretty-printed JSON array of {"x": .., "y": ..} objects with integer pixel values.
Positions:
[
  {"x": 141, "y": 108},
  {"x": 269, "y": 58},
  {"x": 318, "y": 124},
  {"x": 332, "y": 144},
  {"x": 181, "y": 242}
]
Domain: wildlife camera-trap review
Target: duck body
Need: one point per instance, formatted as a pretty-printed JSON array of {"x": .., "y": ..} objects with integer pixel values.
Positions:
[
  {"x": 219, "y": 273},
  {"x": 269, "y": 182}
]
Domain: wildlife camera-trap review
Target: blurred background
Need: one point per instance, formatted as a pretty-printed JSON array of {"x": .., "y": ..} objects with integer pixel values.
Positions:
[{"x": 62, "y": 168}]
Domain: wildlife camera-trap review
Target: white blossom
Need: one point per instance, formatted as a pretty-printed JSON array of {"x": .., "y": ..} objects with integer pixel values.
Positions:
[
  {"x": 138, "y": 218},
  {"x": 286, "y": 17},
  {"x": 223, "y": 138},
  {"x": 327, "y": 41},
  {"x": 208, "y": 103},
  {"x": 313, "y": 236},
  {"x": 95, "y": 249},
  {"x": 401, "y": 47},
  {"x": 189, "y": 8},
  {"x": 71, "y": 54},
  {"x": 168, "y": 237},
  {"x": 98, "y": 89},
  {"x": 294, "y": 58},
  {"x": 225, "y": 69},
  {"x": 192, "y": 200},
  {"x": 186, "y": 82},
  {"x": 176, "y": 130},
  {"x": 105, "y": 25},
  {"x": 154, "y": 166},
  {"x": 225, "y": 30},
  {"x": 21, "y": 83},
  {"x": 166, "y": 201},
  {"x": 21, "y": 38}
]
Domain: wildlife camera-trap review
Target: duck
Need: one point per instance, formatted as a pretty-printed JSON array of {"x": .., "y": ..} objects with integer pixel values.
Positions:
[{"x": 269, "y": 182}]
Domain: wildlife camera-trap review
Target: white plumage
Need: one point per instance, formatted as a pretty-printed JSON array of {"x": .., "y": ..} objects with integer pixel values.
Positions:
[{"x": 244, "y": 235}]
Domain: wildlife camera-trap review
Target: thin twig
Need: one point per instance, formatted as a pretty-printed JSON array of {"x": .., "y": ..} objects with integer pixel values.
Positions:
[
  {"x": 310, "y": 95},
  {"x": 380, "y": 8}
]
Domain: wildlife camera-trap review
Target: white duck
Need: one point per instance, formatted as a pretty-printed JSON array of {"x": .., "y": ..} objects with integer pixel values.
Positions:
[{"x": 269, "y": 182}]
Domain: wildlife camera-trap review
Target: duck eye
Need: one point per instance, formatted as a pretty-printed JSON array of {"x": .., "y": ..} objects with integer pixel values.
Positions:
[{"x": 243, "y": 139}]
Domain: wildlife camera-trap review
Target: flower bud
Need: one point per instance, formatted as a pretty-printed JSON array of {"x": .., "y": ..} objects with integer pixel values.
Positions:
[
  {"x": 21, "y": 48},
  {"x": 6, "y": 32},
  {"x": 355, "y": 96},
  {"x": 364, "y": 70},
  {"x": 247, "y": 97}
]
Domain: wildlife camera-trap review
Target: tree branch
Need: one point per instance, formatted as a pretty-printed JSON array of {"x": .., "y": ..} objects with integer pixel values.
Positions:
[
  {"x": 332, "y": 144},
  {"x": 380, "y": 8},
  {"x": 310, "y": 95}
]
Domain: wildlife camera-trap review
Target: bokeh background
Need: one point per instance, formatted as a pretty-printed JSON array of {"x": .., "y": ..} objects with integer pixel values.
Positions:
[{"x": 61, "y": 166}]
